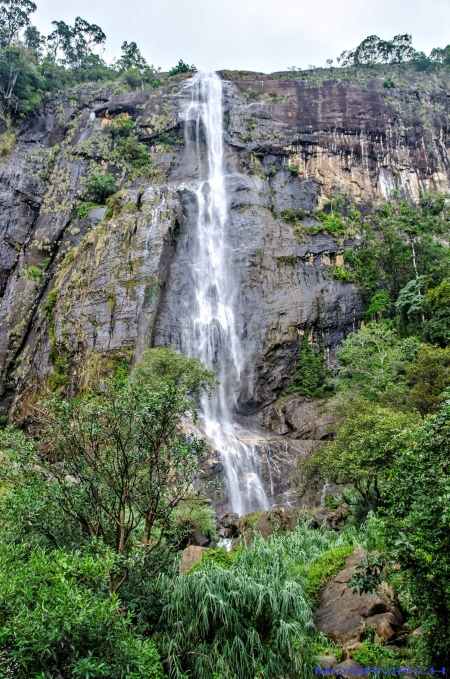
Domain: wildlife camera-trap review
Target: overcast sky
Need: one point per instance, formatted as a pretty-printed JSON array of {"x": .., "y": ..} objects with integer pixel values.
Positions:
[{"x": 257, "y": 35}]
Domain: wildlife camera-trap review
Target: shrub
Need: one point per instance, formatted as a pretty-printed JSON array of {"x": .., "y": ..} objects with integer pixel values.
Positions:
[
  {"x": 56, "y": 614},
  {"x": 7, "y": 143},
  {"x": 250, "y": 618},
  {"x": 100, "y": 186},
  {"x": 122, "y": 126},
  {"x": 341, "y": 275},
  {"x": 181, "y": 67},
  {"x": 311, "y": 372},
  {"x": 158, "y": 367},
  {"x": 193, "y": 515},
  {"x": 293, "y": 216},
  {"x": 35, "y": 272},
  {"x": 83, "y": 209},
  {"x": 369, "y": 439},
  {"x": 389, "y": 83},
  {"x": 131, "y": 466},
  {"x": 218, "y": 556}
]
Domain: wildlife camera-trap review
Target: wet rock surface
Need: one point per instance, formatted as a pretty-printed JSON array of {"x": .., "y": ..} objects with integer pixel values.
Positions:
[{"x": 123, "y": 281}]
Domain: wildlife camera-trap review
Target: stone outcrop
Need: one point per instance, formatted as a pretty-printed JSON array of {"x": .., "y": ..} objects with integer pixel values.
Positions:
[
  {"x": 301, "y": 417},
  {"x": 265, "y": 523},
  {"x": 190, "y": 556},
  {"x": 81, "y": 293},
  {"x": 343, "y": 616}
]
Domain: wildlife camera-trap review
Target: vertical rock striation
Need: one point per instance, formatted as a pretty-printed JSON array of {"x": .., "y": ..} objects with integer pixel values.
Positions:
[{"x": 81, "y": 292}]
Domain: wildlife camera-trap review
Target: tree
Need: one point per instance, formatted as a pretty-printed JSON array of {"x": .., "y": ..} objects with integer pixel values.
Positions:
[
  {"x": 436, "y": 328},
  {"x": 75, "y": 42},
  {"x": 14, "y": 15},
  {"x": 368, "y": 441},
  {"x": 371, "y": 360},
  {"x": 374, "y": 51},
  {"x": 131, "y": 57},
  {"x": 34, "y": 40},
  {"x": 428, "y": 376},
  {"x": 441, "y": 55},
  {"x": 311, "y": 372},
  {"x": 158, "y": 367},
  {"x": 379, "y": 304},
  {"x": 418, "y": 495},
  {"x": 112, "y": 466},
  {"x": 100, "y": 186},
  {"x": 21, "y": 85},
  {"x": 411, "y": 302}
]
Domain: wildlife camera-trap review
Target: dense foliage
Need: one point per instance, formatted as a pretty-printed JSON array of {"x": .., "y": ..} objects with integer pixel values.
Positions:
[
  {"x": 390, "y": 449},
  {"x": 373, "y": 51},
  {"x": 95, "y": 501},
  {"x": 32, "y": 65}
]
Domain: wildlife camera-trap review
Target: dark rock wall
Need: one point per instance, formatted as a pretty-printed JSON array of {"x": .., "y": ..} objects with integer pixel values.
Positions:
[{"x": 122, "y": 283}]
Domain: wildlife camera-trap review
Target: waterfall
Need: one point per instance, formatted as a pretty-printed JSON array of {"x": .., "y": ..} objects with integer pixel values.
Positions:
[{"x": 209, "y": 330}]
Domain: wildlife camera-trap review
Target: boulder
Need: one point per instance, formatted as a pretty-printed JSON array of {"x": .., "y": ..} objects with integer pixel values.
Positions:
[
  {"x": 189, "y": 557},
  {"x": 284, "y": 518},
  {"x": 335, "y": 519},
  {"x": 227, "y": 519},
  {"x": 343, "y": 616},
  {"x": 349, "y": 648},
  {"x": 349, "y": 664},
  {"x": 326, "y": 660}
]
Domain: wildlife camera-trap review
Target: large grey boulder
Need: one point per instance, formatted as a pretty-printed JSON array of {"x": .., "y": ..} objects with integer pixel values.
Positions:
[{"x": 343, "y": 615}]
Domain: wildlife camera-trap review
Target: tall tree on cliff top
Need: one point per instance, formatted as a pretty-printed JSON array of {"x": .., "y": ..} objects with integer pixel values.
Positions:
[
  {"x": 373, "y": 50},
  {"x": 14, "y": 15},
  {"x": 76, "y": 43}
]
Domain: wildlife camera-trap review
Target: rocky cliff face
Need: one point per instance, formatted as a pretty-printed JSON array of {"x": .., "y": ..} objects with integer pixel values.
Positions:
[{"x": 80, "y": 293}]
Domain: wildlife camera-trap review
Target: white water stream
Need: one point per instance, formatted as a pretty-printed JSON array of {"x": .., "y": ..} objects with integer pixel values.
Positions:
[{"x": 210, "y": 332}]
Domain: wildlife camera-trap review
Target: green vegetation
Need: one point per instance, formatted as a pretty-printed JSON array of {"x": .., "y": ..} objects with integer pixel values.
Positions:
[
  {"x": 95, "y": 502},
  {"x": 391, "y": 409},
  {"x": 326, "y": 566},
  {"x": 99, "y": 187},
  {"x": 256, "y": 616},
  {"x": 7, "y": 143},
  {"x": 391, "y": 400},
  {"x": 55, "y": 616},
  {"x": 83, "y": 209},
  {"x": 218, "y": 556},
  {"x": 181, "y": 67},
  {"x": 311, "y": 378},
  {"x": 373, "y": 51},
  {"x": 159, "y": 367},
  {"x": 35, "y": 272},
  {"x": 126, "y": 146},
  {"x": 329, "y": 220},
  {"x": 32, "y": 65},
  {"x": 363, "y": 451}
]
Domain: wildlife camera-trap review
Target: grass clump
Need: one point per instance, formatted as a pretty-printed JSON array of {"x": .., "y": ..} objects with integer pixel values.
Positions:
[
  {"x": 35, "y": 272},
  {"x": 218, "y": 556},
  {"x": 251, "y": 616},
  {"x": 327, "y": 565},
  {"x": 83, "y": 209},
  {"x": 341, "y": 275},
  {"x": 7, "y": 143}
]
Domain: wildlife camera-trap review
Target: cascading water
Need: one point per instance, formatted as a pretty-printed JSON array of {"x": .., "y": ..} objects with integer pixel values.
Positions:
[{"x": 209, "y": 329}]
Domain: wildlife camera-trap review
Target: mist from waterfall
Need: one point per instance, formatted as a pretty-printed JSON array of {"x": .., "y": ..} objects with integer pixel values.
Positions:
[{"x": 210, "y": 332}]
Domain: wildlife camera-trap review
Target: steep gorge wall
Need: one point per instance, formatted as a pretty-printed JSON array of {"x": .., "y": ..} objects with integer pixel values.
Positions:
[{"x": 121, "y": 283}]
